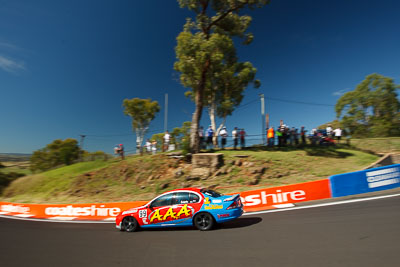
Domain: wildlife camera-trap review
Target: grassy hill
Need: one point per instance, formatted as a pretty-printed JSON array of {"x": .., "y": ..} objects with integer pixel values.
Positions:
[{"x": 143, "y": 177}]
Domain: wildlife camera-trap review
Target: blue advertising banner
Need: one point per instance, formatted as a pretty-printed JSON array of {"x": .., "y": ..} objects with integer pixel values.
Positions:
[{"x": 365, "y": 181}]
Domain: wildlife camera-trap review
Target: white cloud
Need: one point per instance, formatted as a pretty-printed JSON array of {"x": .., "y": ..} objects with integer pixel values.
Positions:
[
  {"x": 340, "y": 92},
  {"x": 10, "y": 65},
  {"x": 8, "y": 46}
]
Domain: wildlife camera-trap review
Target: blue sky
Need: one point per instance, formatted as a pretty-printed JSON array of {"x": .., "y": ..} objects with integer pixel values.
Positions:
[{"x": 66, "y": 66}]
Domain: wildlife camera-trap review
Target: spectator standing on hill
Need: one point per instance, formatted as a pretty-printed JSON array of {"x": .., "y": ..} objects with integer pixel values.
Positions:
[
  {"x": 291, "y": 136},
  {"x": 242, "y": 135},
  {"x": 148, "y": 146},
  {"x": 329, "y": 131},
  {"x": 154, "y": 147},
  {"x": 210, "y": 134},
  {"x": 224, "y": 134},
  {"x": 296, "y": 136},
  {"x": 279, "y": 135},
  {"x": 235, "y": 134},
  {"x": 138, "y": 148},
  {"x": 201, "y": 137},
  {"x": 271, "y": 136},
  {"x": 167, "y": 138},
  {"x": 119, "y": 149},
  {"x": 116, "y": 149},
  {"x": 338, "y": 134},
  {"x": 285, "y": 134},
  {"x": 314, "y": 136},
  {"x": 303, "y": 135}
]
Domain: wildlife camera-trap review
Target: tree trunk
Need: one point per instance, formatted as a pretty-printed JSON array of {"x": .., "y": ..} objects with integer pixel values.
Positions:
[
  {"x": 199, "y": 99},
  {"x": 194, "y": 127},
  {"x": 220, "y": 126},
  {"x": 211, "y": 114}
]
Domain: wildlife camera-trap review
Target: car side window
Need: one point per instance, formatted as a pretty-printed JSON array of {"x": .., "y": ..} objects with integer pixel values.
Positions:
[
  {"x": 165, "y": 200},
  {"x": 193, "y": 198},
  {"x": 181, "y": 198}
]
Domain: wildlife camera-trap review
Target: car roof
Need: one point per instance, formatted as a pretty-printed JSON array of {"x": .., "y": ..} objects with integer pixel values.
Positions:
[{"x": 185, "y": 189}]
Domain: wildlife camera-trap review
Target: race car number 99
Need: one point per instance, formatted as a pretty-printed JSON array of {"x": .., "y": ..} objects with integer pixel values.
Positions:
[{"x": 142, "y": 213}]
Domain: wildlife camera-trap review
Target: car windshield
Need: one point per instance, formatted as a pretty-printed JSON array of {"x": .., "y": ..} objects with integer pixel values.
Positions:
[{"x": 210, "y": 192}]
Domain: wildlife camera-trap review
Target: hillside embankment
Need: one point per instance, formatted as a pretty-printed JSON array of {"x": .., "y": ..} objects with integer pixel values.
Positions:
[{"x": 143, "y": 177}]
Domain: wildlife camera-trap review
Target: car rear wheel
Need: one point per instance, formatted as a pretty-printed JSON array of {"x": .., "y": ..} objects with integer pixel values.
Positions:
[
  {"x": 204, "y": 221},
  {"x": 130, "y": 224}
]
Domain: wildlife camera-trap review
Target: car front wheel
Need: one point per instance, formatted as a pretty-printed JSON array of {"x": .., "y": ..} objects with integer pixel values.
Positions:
[
  {"x": 204, "y": 221},
  {"x": 130, "y": 224}
]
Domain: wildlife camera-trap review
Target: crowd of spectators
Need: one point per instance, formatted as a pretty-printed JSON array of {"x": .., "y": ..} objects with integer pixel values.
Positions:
[{"x": 280, "y": 137}]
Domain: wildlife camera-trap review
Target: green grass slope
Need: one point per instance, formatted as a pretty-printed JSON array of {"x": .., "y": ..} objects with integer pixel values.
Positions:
[{"x": 143, "y": 177}]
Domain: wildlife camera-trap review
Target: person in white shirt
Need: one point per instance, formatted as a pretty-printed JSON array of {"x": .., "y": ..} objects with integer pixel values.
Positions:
[
  {"x": 167, "y": 137},
  {"x": 154, "y": 147},
  {"x": 224, "y": 134},
  {"x": 329, "y": 131},
  {"x": 338, "y": 134},
  {"x": 148, "y": 146},
  {"x": 235, "y": 135}
]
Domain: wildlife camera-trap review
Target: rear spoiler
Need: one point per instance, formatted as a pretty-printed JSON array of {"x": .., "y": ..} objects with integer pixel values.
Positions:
[{"x": 232, "y": 197}]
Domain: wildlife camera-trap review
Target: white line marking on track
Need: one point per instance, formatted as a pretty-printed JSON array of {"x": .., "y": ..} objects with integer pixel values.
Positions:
[
  {"x": 110, "y": 219},
  {"x": 322, "y": 205},
  {"x": 24, "y": 215},
  {"x": 62, "y": 218},
  {"x": 281, "y": 206},
  {"x": 47, "y": 220}
]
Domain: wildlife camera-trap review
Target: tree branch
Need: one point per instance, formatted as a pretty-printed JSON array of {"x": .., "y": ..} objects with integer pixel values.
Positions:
[{"x": 224, "y": 15}]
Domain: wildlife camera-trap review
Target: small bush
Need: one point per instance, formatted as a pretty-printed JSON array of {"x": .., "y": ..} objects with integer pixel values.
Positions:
[{"x": 6, "y": 179}]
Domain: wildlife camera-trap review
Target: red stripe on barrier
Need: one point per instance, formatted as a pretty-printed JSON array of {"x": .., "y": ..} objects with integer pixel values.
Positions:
[{"x": 267, "y": 198}]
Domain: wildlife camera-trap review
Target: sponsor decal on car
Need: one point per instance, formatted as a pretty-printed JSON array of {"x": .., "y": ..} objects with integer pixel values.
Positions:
[
  {"x": 172, "y": 213},
  {"x": 213, "y": 207}
]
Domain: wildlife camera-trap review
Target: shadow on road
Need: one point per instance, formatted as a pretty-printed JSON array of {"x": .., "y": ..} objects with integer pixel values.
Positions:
[{"x": 240, "y": 222}]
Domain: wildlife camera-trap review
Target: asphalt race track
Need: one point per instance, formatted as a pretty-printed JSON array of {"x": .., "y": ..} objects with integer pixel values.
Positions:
[{"x": 356, "y": 234}]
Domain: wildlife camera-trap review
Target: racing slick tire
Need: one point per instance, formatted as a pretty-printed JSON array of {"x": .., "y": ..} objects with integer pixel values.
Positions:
[
  {"x": 204, "y": 221},
  {"x": 129, "y": 224}
]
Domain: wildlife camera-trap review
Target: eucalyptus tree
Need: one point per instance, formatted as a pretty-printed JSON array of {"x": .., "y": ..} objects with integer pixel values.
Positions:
[
  {"x": 229, "y": 85},
  {"x": 142, "y": 112},
  {"x": 206, "y": 42},
  {"x": 372, "y": 109}
]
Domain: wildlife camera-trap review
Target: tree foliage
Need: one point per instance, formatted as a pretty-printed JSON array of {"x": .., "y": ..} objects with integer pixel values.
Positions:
[
  {"x": 372, "y": 109},
  {"x": 181, "y": 136},
  {"x": 205, "y": 49},
  {"x": 229, "y": 83},
  {"x": 142, "y": 112},
  {"x": 59, "y": 152}
]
